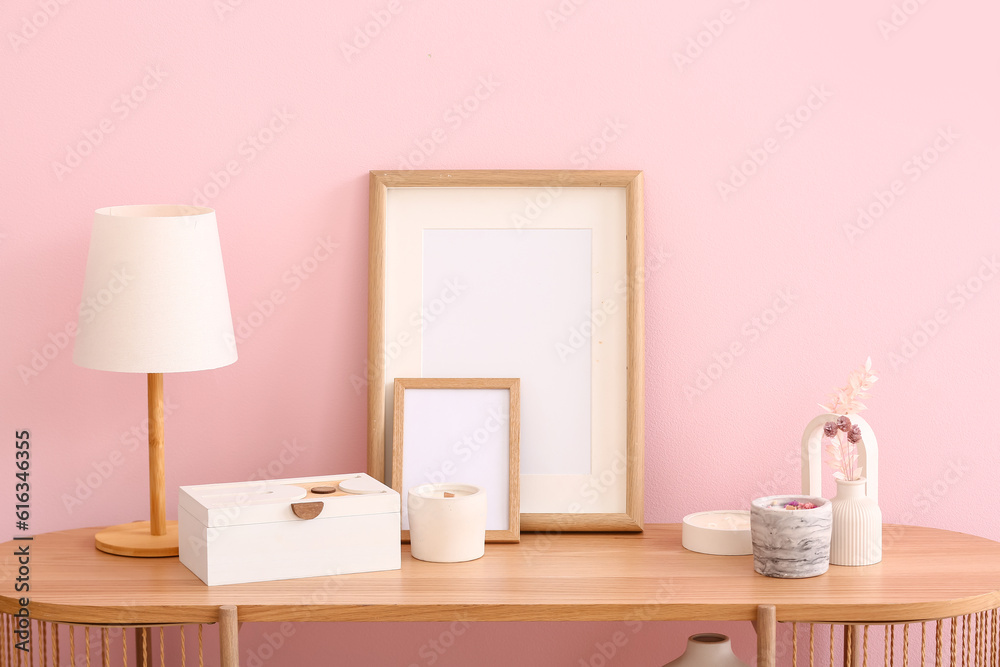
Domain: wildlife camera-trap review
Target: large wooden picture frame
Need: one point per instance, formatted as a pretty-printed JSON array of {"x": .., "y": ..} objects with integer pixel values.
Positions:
[
  {"x": 460, "y": 430},
  {"x": 529, "y": 274}
]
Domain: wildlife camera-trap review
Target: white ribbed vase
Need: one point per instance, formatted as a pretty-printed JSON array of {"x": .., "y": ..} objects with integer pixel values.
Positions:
[{"x": 857, "y": 526}]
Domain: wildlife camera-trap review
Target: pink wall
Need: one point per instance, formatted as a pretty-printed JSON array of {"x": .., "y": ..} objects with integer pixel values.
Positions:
[{"x": 888, "y": 106}]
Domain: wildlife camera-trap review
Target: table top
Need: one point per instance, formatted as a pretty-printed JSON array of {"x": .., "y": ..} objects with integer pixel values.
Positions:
[{"x": 926, "y": 573}]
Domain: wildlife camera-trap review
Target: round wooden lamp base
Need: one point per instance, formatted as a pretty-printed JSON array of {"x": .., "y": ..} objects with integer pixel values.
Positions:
[{"x": 134, "y": 539}]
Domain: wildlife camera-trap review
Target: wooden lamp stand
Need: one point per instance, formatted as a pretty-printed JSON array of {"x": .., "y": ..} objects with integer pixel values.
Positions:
[{"x": 156, "y": 537}]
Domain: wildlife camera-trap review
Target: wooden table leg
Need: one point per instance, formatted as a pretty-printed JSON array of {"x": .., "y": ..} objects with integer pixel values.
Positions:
[
  {"x": 229, "y": 636},
  {"x": 767, "y": 635},
  {"x": 853, "y": 638}
]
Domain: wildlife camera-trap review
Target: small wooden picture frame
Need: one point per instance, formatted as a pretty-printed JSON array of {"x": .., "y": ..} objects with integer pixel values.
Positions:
[{"x": 461, "y": 430}]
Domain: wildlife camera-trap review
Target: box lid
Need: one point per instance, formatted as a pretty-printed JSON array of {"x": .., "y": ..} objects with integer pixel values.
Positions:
[{"x": 293, "y": 499}]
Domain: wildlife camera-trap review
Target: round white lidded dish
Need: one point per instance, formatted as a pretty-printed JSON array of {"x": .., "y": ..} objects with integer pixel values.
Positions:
[{"x": 718, "y": 532}]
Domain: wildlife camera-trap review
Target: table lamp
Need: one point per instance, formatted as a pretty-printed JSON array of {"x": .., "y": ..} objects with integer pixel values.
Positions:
[{"x": 154, "y": 302}]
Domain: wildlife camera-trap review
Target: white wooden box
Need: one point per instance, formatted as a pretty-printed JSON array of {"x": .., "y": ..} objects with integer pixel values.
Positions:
[{"x": 282, "y": 529}]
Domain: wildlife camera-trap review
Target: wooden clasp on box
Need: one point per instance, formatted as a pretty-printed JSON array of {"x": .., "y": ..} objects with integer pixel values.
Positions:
[{"x": 307, "y": 510}]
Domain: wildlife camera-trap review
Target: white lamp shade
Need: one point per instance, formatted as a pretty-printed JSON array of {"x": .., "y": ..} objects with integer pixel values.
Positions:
[{"x": 154, "y": 296}]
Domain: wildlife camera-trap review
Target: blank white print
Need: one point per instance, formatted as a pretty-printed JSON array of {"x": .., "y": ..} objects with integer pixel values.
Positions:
[
  {"x": 459, "y": 436},
  {"x": 522, "y": 294}
]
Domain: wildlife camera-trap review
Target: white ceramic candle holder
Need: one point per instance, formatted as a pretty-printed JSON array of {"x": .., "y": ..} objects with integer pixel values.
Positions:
[{"x": 447, "y": 522}]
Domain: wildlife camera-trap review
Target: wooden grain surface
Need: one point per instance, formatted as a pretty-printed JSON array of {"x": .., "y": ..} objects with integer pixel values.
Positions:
[
  {"x": 510, "y": 178},
  {"x": 375, "y": 370},
  {"x": 157, "y": 456},
  {"x": 228, "y": 636},
  {"x": 766, "y": 625},
  {"x": 926, "y": 573}
]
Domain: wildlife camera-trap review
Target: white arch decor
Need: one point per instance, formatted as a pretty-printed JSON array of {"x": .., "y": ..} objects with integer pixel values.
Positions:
[{"x": 812, "y": 455}]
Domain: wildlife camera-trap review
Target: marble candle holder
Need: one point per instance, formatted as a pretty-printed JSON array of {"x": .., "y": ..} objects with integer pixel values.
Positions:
[{"x": 790, "y": 544}]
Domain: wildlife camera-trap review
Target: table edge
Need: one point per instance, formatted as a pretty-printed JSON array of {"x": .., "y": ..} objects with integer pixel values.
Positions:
[
  {"x": 802, "y": 613},
  {"x": 853, "y": 612}
]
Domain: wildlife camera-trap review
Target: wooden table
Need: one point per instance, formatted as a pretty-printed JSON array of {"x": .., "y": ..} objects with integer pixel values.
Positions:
[{"x": 926, "y": 574}]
